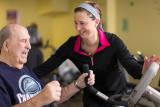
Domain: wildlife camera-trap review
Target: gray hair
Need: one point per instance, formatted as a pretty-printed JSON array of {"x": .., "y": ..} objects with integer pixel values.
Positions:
[{"x": 5, "y": 33}]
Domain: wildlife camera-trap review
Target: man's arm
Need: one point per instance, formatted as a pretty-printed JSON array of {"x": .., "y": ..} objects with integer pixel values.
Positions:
[{"x": 50, "y": 93}]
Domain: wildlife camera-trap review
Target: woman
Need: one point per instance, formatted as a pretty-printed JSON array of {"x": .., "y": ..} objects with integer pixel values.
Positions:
[{"x": 100, "y": 50}]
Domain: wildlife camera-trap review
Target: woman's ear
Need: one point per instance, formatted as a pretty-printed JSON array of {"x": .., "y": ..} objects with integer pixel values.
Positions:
[{"x": 97, "y": 21}]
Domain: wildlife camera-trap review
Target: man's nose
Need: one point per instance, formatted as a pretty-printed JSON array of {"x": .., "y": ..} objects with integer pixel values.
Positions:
[{"x": 28, "y": 45}]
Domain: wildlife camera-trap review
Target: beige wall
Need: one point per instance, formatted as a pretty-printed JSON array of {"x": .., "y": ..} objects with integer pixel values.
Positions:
[
  {"x": 55, "y": 18},
  {"x": 27, "y": 13},
  {"x": 143, "y": 26},
  {"x": 27, "y": 10},
  {"x": 143, "y": 22},
  {"x": 63, "y": 23}
]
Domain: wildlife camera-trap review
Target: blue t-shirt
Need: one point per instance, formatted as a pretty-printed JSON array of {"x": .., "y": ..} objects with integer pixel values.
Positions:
[{"x": 17, "y": 85}]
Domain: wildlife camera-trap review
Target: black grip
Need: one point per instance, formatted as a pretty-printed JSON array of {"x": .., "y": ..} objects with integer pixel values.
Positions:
[
  {"x": 54, "y": 104},
  {"x": 116, "y": 100},
  {"x": 54, "y": 77},
  {"x": 86, "y": 70},
  {"x": 113, "y": 99}
]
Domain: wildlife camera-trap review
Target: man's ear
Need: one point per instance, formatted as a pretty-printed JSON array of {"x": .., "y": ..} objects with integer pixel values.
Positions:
[{"x": 5, "y": 45}]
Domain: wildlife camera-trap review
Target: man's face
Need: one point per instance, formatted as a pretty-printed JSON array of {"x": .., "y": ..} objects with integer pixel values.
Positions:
[{"x": 18, "y": 46}]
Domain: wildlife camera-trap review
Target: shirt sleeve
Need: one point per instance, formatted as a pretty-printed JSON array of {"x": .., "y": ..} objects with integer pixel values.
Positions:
[
  {"x": 126, "y": 59},
  {"x": 5, "y": 100},
  {"x": 54, "y": 61}
]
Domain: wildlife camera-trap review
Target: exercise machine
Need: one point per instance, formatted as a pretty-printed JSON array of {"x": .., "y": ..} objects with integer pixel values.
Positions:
[{"x": 141, "y": 90}]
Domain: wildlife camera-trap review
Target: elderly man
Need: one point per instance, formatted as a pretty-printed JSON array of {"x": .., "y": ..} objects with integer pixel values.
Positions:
[{"x": 20, "y": 87}]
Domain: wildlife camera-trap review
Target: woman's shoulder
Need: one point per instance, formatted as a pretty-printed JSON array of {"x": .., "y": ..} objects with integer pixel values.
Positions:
[
  {"x": 111, "y": 37},
  {"x": 114, "y": 40},
  {"x": 69, "y": 42},
  {"x": 72, "y": 39}
]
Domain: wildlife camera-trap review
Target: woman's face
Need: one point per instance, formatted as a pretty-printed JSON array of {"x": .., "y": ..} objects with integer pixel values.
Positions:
[{"x": 84, "y": 24}]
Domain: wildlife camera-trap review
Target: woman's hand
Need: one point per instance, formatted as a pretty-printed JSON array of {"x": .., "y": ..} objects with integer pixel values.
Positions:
[
  {"x": 81, "y": 80},
  {"x": 148, "y": 61}
]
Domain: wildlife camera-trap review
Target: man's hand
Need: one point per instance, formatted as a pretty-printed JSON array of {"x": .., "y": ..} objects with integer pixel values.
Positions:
[{"x": 51, "y": 92}]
